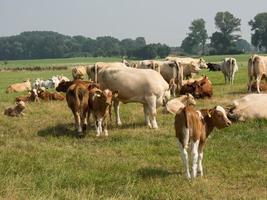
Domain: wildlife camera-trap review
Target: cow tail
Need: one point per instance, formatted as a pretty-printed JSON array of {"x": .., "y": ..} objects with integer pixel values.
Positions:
[
  {"x": 178, "y": 75},
  {"x": 186, "y": 117},
  {"x": 96, "y": 73},
  {"x": 186, "y": 130}
]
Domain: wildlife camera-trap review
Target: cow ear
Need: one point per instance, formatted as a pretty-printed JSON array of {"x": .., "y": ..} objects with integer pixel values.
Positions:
[
  {"x": 116, "y": 94},
  {"x": 209, "y": 113}
]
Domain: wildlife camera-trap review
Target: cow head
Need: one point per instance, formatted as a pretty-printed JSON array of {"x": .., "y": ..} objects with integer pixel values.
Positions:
[
  {"x": 219, "y": 117},
  {"x": 63, "y": 86},
  {"x": 193, "y": 67},
  {"x": 21, "y": 105},
  {"x": 202, "y": 88},
  {"x": 126, "y": 62},
  {"x": 202, "y": 64}
]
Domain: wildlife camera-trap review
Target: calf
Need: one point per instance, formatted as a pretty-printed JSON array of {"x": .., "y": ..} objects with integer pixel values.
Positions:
[
  {"x": 15, "y": 111},
  {"x": 100, "y": 106},
  {"x": 77, "y": 97},
  {"x": 49, "y": 96},
  {"x": 31, "y": 97},
  {"x": 193, "y": 127}
]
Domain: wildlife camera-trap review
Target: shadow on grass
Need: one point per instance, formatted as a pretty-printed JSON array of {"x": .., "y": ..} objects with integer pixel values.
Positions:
[
  {"x": 155, "y": 172},
  {"x": 127, "y": 125},
  {"x": 58, "y": 130}
]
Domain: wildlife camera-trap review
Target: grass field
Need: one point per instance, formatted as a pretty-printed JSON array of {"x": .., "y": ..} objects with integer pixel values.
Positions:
[{"x": 40, "y": 157}]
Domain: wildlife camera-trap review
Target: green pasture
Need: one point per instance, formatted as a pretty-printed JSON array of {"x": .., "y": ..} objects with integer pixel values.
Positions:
[{"x": 40, "y": 157}]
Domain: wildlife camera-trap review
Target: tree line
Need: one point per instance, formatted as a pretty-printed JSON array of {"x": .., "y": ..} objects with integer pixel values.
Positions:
[
  {"x": 226, "y": 40},
  {"x": 48, "y": 44}
]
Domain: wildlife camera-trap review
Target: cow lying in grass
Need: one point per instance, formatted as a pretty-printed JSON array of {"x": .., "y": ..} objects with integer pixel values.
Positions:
[
  {"x": 50, "y": 96},
  {"x": 193, "y": 127},
  {"x": 19, "y": 87},
  {"x": 100, "y": 106},
  {"x": 15, "y": 111},
  {"x": 31, "y": 97}
]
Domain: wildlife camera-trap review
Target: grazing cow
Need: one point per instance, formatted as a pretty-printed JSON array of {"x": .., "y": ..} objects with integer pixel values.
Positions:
[
  {"x": 100, "y": 106},
  {"x": 199, "y": 62},
  {"x": 257, "y": 68},
  {"x": 193, "y": 127},
  {"x": 49, "y": 96},
  {"x": 31, "y": 97},
  {"x": 19, "y": 87},
  {"x": 199, "y": 89},
  {"x": 214, "y": 67},
  {"x": 251, "y": 106},
  {"x": 134, "y": 85},
  {"x": 175, "y": 104},
  {"x": 15, "y": 111},
  {"x": 229, "y": 68},
  {"x": 77, "y": 97},
  {"x": 78, "y": 72}
]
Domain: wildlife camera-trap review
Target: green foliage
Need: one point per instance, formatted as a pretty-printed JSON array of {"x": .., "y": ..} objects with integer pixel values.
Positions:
[
  {"x": 151, "y": 51},
  {"x": 223, "y": 42},
  {"x": 196, "y": 39},
  {"x": 259, "y": 26}
]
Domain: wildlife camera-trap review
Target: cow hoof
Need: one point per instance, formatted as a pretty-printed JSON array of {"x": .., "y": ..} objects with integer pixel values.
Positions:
[
  {"x": 106, "y": 133},
  {"x": 80, "y": 135},
  {"x": 84, "y": 127}
]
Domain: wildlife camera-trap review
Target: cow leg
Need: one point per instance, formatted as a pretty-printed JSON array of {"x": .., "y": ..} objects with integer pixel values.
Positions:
[
  {"x": 194, "y": 152},
  {"x": 84, "y": 120},
  {"x": 146, "y": 113},
  {"x": 152, "y": 111},
  {"x": 105, "y": 127},
  {"x": 184, "y": 157},
  {"x": 250, "y": 83},
  {"x": 200, "y": 158},
  {"x": 78, "y": 123},
  {"x": 116, "y": 105},
  {"x": 258, "y": 80},
  {"x": 99, "y": 127}
]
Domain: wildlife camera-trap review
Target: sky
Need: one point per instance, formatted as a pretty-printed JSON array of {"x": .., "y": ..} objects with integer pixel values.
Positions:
[{"x": 164, "y": 21}]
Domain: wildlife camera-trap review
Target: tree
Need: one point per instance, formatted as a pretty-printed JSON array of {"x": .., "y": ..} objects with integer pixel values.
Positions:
[
  {"x": 243, "y": 45},
  {"x": 223, "y": 41},
  {"x": 259, "y": 26},
  {"x": 197, "y": 38}
]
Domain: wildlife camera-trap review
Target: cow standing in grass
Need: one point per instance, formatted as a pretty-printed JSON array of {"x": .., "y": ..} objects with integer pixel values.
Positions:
[{"x": 193, "y": 127}]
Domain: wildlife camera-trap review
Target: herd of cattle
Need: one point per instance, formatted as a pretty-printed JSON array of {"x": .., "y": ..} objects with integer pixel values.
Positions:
[{"x": 151, "y": 83}]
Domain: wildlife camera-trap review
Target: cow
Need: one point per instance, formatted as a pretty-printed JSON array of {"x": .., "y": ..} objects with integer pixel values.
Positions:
[
  {"x": 199, "y": 89},
  {"x": 134, "y": 85},
  {"x": 229, "y": 67},
  {"x": 19, "y": 87},
  {"x": 175, "y": 104},
  {"x": 15, "y": 111},
  {"x": 214, "y": 67},
  {"x": 251, "y": 106},
  {"x": 199, "y": 62},
  {"x": 100, "y": 103},
  {"x": 49, "y": 96},
  {"x": 77, "y": 97},
  {"x": 257, "y": 68},
  {"x": 78, "y": 72},
  {"x": 31, "y": 97},
  {"x": 63, "y": 86},
  {"x": 192, "y": 127},
  {"x": 49, "y": 83},
  {"x": 131, "y": 64},
  {"x": 263, "y": 87}
]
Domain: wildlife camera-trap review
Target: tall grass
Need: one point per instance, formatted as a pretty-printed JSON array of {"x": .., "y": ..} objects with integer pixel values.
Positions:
[{"x": 40, "y": 157}]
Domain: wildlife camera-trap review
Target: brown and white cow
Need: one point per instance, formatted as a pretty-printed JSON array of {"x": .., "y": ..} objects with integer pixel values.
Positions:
[
  {"x": 133, "y": 85},
  {"x": 19, "y": 87},
  {"x": 192, "y": 128},
  {"x": 15, "y": 111},
  {"x": 31, "y": 97},
  {"x": 49, "y": 96},
  {"x": 257, "y": 68},
  {"x": 199, "y": 89},
  {"x": 100, "y": 106}
]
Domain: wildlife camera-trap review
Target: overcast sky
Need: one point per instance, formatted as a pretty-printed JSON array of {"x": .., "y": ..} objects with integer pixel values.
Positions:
[{"x": 164, "y": 21}]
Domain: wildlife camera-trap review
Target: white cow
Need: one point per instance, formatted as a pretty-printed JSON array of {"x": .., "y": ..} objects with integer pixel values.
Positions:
[
  {"x": 251, "y": 106},
  {"x": 199, "y": 62},
  {"x": 134, "y": 85},
  {"x": 257, "y": 68},
  {"x": 229, "y": 68}
]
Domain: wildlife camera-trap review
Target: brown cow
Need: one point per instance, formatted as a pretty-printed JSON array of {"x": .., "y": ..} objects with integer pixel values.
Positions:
[
  {"x": 31, "y": 97},
  {"x": 49, "y": 96},
  {"x": 64, "y": 85},
  {"x": 100, "y": 106},
  {"x": 199, "y": 89},
  {"x": 77, "y": 97},
  {"x": 193, "y": 127},
  {"x": 15, "y": 111},
  {"x": 19, "y": 87}
]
